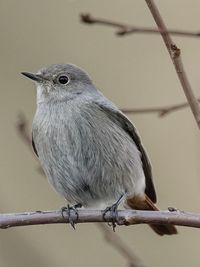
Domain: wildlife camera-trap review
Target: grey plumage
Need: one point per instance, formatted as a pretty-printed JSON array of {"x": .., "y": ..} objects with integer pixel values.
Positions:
[{"x": 89, "y": 150}]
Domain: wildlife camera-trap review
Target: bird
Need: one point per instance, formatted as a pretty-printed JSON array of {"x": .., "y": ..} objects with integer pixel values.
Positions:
[{"x": 90, "y": 151}]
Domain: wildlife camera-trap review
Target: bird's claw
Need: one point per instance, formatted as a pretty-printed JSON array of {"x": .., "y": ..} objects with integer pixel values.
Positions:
[
  {"x": 113, "y": 213},
  {"x": 69, "y": 210}
]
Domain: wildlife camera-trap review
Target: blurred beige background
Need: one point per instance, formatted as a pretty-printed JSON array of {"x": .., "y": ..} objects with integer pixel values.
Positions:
[{"x": 133, "y": 71}]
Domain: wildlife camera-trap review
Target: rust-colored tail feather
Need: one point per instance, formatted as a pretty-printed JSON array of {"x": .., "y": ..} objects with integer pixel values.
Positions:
[{"x": 145, "y": 203}]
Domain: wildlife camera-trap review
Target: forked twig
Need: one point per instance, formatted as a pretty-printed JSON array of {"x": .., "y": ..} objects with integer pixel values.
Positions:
[
  {"x": 175, "y": 55},
  {"x": 173, "y": 50},
  {"x": 123, "y": 29},
  {"x": 161, "y": 111}
]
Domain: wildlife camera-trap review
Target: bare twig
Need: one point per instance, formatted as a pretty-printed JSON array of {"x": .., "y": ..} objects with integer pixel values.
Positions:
[
  {"x": 162, "y": 111},
  {"x": 24, "y": 133},
  {"x": 22, "y": 129},
  {"x": 175, "y": 55},
  {"x": 123, "y": 29},
  {"x": 125, "y": 217},
  {"x": 173, "y": 50},
  {"x": 115, "y": 241}
]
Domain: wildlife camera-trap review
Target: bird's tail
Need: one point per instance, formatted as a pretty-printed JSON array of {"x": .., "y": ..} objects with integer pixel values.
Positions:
[{"x": 145, "y": 203}]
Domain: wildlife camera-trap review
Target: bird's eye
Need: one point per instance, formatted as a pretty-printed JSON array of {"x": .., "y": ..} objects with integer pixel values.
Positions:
[{"x": 63, "y": 79}]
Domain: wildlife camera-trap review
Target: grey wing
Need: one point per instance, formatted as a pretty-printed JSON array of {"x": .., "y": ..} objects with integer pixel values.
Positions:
[{"x": 118, "y": 117}]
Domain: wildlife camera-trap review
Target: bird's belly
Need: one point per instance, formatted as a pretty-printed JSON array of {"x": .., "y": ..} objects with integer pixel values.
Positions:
[
  {"x": 90, "y": 163},
  {"x": 95, "y": 190},
  {"x": 91, "y": 178}
]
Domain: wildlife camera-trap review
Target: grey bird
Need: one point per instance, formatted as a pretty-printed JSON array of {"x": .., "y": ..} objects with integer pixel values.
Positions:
[{"x": 89, "y": 150}]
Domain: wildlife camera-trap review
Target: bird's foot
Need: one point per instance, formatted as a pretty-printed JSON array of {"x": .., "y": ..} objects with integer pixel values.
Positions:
[
  {"x": 71, "y": 211},
  {"x": 113, "y": 212}
]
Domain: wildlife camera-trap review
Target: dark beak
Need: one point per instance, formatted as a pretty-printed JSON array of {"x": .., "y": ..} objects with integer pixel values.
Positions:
[{"x": 32, "y": 76}]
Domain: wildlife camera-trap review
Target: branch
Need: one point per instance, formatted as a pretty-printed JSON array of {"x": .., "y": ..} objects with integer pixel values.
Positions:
[
  {"x": 123, "y": 29},
  {"x": 24, "y": 133},
  {"x": 162, "y": 111},
  {"x": 175, "y": 55},
  {"x": 22, "y": 129},
  {"x": 173, "y": 50},
  {"x": 125, "y": 217},
  {"x": 115, "y": 241}
]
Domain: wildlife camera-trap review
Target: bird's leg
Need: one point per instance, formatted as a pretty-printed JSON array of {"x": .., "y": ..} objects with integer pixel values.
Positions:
[
  {"x": 113, "y": 212},
  {"x": 69, "y": 210}
]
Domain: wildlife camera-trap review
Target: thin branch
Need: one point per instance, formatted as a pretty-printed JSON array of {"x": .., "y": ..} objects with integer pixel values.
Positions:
[
  {"x": 173, "y": 50},
  {"x": 175, "y": 55},
  {"x": 24, "y": 133},
  {"x": 22, "y": 129},
  {"x": 162, "y": 111},
  {"x": 125, "y": 217},
  {"x": 115, "y": 241},
  {"x": 123, "y": 29}
]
